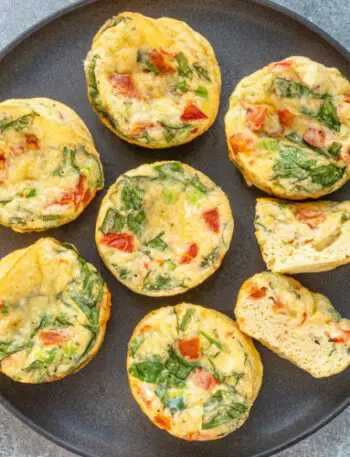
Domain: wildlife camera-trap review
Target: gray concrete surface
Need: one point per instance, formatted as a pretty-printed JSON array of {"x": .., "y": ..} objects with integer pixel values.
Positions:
[{"x": 16, "y": 439}]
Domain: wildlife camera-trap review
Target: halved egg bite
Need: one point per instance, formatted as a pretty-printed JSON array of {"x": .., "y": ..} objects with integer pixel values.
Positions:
[
  {"x": 303, "y": 237},
  {"x": 288, "y": 128},
  {"x": 153, "y": 82},
  {"x": 299, "y": 325},
  {"x": 49, "y": 167},
  {"x": 54, "y": 307},
  {"x": 193, "y": 373},
  {"x": 163, "y": 228}
]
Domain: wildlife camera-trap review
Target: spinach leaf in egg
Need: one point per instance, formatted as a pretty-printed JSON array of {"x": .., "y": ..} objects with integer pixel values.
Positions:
[
  {"x": 19, "y": 124},
  {"x": 95, "y": 95},
  {"x": 222, "y": 407},
  {"x": 158, "y": 242},
  {"x": 183, "y": 66},
  {"x": 186, "y": 319},
  {"x": 68, "y": 164},
  {"x": 136, "y": 222},
  {"x": 112, "y": 222},
  {"x": 201, "y": 71},
  {"x": 327, "y": 115},
  {"x": 291, "y": 89}
]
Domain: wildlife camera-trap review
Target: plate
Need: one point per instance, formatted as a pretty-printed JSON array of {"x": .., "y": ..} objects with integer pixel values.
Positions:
[{"x": 93, "y": 412}]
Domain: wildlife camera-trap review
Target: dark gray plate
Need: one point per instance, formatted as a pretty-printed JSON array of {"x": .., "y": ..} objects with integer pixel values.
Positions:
[{"x": 93, "y": 412}]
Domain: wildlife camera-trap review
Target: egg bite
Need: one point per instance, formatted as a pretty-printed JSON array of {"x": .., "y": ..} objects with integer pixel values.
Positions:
[
  {"x": 288, "y": 129},
  {"x": 192, "y": 372},
  {"x": 54, "y": 307},
  {"x": 49, "y": 167},
  {"x": 297, "y": 324},
  {"x": 153, "y": 82},
  {"x": 163, "y": 228},
  {"x": 303, "y": 237}
]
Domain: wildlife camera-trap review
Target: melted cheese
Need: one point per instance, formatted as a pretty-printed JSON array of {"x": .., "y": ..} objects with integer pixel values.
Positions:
[
  {"x": 142, "y": 73},
  {"x": 177, "y": 222},
  {"x": 303, "y": 237},
  {"x": 223, "y": 377},
  {"x": 49, "y": 168},
  {"x": 294, "y": 322},
  {"x": 288, "y": 128},
  {"x": 53, "y": 312}
]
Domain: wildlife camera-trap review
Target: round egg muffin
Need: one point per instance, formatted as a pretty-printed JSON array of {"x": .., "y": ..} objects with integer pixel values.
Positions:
[
  {"x": 49, "y": 167},
  {"x": 54, "y": 307},
  {"x": 153, "y": 82},
  {"x": 163, "y": 228},
  {"x": 193, "y": 373},
  {"x": 288, "y": 129}
]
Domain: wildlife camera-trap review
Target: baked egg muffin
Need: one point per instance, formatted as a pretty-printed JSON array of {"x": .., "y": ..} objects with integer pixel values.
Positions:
[
  {"x": 193, "y": 373},
  {"x": 49, "y": 167},
  {"x": 303, "y": 237},
  {"x": 54, "y": 307},
  {"x": 163, "y": 228},
  {"x": 299, "y": 325},
  {"x": 153, "y": 82},
  {"x": 288, "y": 128}
]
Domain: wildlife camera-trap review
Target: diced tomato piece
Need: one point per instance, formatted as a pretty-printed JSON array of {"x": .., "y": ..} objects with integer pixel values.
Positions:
[
  {"x": 303, "y": 318},
  {"x": 345, "y": 155},
  {"x": 167, "y": 53},
  {"x": 122, "y": 241},
  {"x": 87, "y": 196},
  {"x": 138, "y": 128},
  {"x": 285, "y": 117},
  {"x": 203, "y": 379},
  {"x": 257, "y": 292},
  {"x": 190, "y": 348},
  {"x": 1, "y": 304},
  {"x": 162, "y": 421},
  {"x": 3, "y": 166},
  {"x": 162, "y": 65},
  {"x": 315, "y": 137},
  {"x": 145, "y": 328},
  {"x": 78, "y": 194},
  {"x": 256, "y": 115},
  {"x": 51, "y": 337},
  {"x": 125, "y": 85},
  {"x": 190, "y": 254},
  {"x": 310, "y": 216},
  {"x": 32, "y": 142},
  {"x": 65, "y": 199},
  {"x": 343, "y": 338},
  {"x": 145, "y": 397},
  {"x": 282, "y": 65},
  {"x": 347, "y": 98},
  {"x": 212, "y": 219},
  {"x": 192, "y": 113},
  {"x": 196, "y": 436},
  {"x": 278, "y": 306},
  {"x": 17, "y": 149},
  {"x": 241, "y": 143}
]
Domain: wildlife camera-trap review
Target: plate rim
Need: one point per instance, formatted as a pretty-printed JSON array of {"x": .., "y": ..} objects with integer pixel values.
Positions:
[{"x": 265, "y": 3}]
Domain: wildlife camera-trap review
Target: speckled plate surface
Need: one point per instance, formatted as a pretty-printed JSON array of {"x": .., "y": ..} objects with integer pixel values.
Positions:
[{"x": 92, "y": 412}]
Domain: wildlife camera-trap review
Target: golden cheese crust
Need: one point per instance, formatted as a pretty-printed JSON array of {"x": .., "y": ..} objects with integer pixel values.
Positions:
[
  {"x": 299, "y": 325},
  {"x": 54, "y": 308},
  {"x": 153, "y": 82},
  {"x": 288, "y": 128},
  {"x": 163, "y": 228},
  {"x": 303, "y": 237},
  {"x": 49, "y": 167},
  {"x": 193, "y": 373}
]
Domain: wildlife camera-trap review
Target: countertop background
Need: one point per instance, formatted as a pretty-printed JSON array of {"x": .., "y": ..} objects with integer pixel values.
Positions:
[{"x": 16, "y": 439}]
